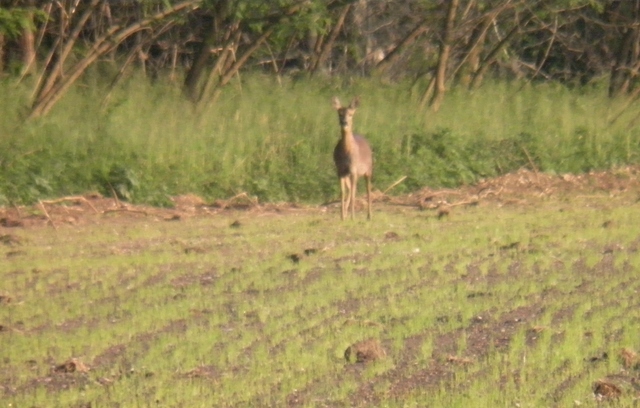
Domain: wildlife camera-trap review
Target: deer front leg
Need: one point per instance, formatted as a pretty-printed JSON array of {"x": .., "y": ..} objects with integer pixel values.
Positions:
[{"x": 344, "y": 196}]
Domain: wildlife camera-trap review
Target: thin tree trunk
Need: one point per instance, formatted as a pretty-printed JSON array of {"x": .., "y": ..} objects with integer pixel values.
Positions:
[
  {"x": 545, "y": 55},
  {"x": 2, "y": 51},
  {"x": 395, "y": 54},
  {"x": 212, "y": 36},
  {"x": 227, "y": 52},
  {"x": 443, "y": 57},
  {"x": 194, "y": 73},
  {"x": 27, "y": 46},
  {"x": 490, "y": 58},
  {"x": 283, "y": 57},
  {"x": 621, "y": 74},
  {"x": 121, "y": 72},
  {"x": 428, "y": 92},
  {"x": 471, "y": 60},
  {"x": 245, "y": 56},
  {"x": 174, "y": 62},
  {"x": 623, "y": 16},
  {"x": 231, "y": 68},
  {"x": 55, "y": 71},
  {"x": 328, "y": 45}
]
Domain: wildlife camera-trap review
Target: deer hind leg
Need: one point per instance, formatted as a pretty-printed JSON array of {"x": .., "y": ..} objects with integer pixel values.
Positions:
[
  {"x": 368, "y": 177},
  {"x": 354, "y": 188}
]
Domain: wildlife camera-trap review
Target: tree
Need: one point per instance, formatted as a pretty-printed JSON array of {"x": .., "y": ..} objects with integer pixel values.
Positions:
[
  {"x": 212, "y": 41},
  {"x": 61, "y": 71},
  {"x": 232, "y": 31},
  {"x": 443, "y": 55},
  {"x": 623, "y": 18},
  {"x": 18, "y": 24}
]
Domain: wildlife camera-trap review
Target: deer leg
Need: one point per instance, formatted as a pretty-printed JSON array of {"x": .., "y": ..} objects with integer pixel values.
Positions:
[
  {"x": 368, "y": 197},
  {"x": 354, "y": 188},
  {"x": 344, "y": 198},
  {"x": 345, "y": 184}
]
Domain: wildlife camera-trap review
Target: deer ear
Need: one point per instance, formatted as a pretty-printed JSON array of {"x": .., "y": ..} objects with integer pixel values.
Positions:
[
  {"x": 336, "y": 103},
  {"x": 355, "y": 102}
]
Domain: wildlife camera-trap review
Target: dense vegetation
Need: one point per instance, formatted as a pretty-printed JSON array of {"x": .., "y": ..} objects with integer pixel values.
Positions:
[
  {"x": 444, "y": 42},
  {"x": 148, "y": 99},
  {"x": 274, "y": 140}
]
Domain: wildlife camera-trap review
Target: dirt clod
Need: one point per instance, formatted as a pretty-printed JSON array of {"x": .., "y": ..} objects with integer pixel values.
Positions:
[
  {"x": 9, "y": 240},
  {"x": 365, "y": 351},
  {"x": 71, "y": 366},
  {"x": 594, "y": 359},
  {"x": 512, "y": 245},
  {"x": 606, "y": 389},
  {"x": 188, "y": 201},
  {"x": 391, "y": 235},
  {"x": 194, "y": 250},
  {"x": 459, "y": 360},
  {"x": 443, "y": 212},
  {"x": 10, "y": 222},
  {"x": 629, "y": 359},
  {"x": 205, "y": 371}
]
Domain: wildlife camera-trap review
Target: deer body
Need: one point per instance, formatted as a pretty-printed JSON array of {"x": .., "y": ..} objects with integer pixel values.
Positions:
[{"x": 353, "y": 158}]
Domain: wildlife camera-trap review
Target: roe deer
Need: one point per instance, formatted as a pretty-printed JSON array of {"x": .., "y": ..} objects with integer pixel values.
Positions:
[{"x": 353, "y": 158}]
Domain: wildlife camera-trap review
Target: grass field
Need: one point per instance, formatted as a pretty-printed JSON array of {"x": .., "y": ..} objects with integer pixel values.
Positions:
[
  {"x": 525, "y": 302},
  {"x": 273, "y": 140}
]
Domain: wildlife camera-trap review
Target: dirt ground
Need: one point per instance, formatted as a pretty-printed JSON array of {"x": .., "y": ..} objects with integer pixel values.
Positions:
[{"x": 520, "y": 188}]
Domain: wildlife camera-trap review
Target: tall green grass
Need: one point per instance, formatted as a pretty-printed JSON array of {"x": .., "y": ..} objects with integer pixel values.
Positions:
[{"x": 275, "y": 139}]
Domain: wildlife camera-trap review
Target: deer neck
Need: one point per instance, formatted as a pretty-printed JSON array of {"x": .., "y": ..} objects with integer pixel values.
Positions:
[{"x": 349, "y": 140}]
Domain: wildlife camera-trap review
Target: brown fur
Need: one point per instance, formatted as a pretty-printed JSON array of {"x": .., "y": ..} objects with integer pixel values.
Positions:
[{"x": 353, "y": 158}]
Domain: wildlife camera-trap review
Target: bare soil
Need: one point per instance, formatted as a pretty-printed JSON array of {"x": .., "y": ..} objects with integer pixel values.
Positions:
[{"x": 522, "y": 188}]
